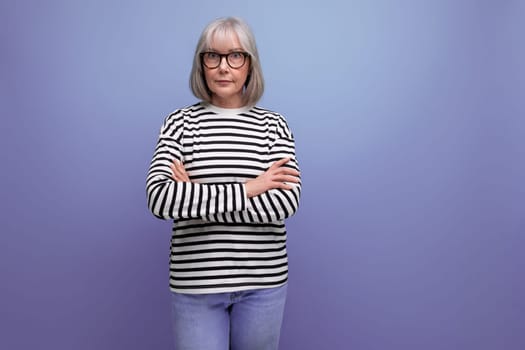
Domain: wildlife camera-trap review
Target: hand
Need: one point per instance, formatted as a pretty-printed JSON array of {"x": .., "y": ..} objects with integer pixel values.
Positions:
[
  {"x": 275, "y": 177},
  {"x": 179, "y": 172}
]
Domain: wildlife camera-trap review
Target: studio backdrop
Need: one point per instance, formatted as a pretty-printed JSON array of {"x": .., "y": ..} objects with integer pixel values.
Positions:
[{"x": 409, "y": 124}]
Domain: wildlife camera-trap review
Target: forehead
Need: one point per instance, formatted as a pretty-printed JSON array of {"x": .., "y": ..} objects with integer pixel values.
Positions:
[{"x": 224, "y": 40}]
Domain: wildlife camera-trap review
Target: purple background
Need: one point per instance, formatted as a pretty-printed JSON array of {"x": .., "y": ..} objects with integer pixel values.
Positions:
[{"x": 409, "y": 121}]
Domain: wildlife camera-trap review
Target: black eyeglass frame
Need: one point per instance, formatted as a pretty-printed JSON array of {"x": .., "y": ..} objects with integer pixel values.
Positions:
[{"x": 221, "y": 55}]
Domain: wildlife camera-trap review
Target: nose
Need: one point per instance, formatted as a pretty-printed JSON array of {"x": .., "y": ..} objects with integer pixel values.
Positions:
[{"x": 223, "y": 64}]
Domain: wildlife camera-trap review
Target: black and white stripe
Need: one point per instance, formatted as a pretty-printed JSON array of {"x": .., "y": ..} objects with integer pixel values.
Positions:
[{"x": 223, "y": 241}]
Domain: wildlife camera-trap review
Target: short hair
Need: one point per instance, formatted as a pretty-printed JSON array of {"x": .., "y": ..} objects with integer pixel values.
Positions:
[{"x": 254, "y": 86}]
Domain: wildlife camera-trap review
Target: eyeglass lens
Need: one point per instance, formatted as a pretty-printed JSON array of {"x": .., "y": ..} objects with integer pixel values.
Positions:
[{"x": 234, "y": 59}]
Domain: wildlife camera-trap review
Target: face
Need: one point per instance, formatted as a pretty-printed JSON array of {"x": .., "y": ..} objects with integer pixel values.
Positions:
[{"x": 226, "y": 83}]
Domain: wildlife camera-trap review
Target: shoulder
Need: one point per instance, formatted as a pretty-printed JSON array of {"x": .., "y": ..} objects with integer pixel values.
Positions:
[
  {"x": 185, "y": 111},
  {"x": 176, "y": 118},
  {"x": 268, "y": 115},
  {"x": 266, "y": 112},
  {"x": 274, "y": 118}
]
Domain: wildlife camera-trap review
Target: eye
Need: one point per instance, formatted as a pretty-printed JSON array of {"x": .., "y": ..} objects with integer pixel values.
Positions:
[
  {"x": 212, "y": 55},
  {"x": 236, "y": 55}
]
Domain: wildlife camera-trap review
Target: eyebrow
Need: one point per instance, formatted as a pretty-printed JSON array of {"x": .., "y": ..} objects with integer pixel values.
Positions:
[{"x": 237, "y": 49}]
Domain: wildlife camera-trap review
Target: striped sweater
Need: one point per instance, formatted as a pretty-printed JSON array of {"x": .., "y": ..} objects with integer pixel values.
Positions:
[{"x": 223, "y": 241}]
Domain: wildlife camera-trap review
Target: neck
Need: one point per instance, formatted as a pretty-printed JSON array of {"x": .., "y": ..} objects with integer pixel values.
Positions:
[{"x": 232, "y": 102}]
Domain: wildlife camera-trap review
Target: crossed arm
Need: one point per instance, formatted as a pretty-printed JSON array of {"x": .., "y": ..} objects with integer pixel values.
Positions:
[
  {"x": 272, "y": 196},
  {"x": 276, "y": 176}
]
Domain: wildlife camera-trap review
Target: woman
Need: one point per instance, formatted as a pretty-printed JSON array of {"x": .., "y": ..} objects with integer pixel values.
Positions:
[{"x": 225, "y": 172}]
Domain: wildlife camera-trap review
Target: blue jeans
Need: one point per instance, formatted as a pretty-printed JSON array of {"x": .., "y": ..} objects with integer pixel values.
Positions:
[{"x": 247, "y": 320}]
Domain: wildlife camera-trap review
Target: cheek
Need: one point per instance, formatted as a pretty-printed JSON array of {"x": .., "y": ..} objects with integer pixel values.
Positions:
[
  {"x": 207, "y": 77},
  {"x": 243, "y": 75}
]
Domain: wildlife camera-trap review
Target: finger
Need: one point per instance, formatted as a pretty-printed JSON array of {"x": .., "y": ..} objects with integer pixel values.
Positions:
[
  {"x": 286, "y": 171},
  {"x": 175, "y": 173},
  {"x": 179, "y": 166},
  {"x": 179, "y": 178},
  {"x": 286, "y": 178},
  {"x": 280, "y": 163},
  {"x": 175, "y": 164},
  {"x": 173, "y": 170},
  {"x": 284, "y": 186},
  {"x": 290, "y": 178},
  {"x": 179, "y": 172},
  {"x": 182, "y": 177}
]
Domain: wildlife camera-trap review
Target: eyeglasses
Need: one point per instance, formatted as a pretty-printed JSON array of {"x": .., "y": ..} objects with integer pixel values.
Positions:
[{"x": 234, "y": 59}]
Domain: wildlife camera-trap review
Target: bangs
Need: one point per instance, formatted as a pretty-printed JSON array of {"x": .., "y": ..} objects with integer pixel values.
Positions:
[{"x": 222, "y": 33}]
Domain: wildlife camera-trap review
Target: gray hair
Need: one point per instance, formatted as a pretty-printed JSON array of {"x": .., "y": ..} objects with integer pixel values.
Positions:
[{"x": 254, "y": 86}]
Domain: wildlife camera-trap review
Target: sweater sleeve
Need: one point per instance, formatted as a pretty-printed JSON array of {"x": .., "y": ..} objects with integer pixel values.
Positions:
[
  {"x": 275, "y": 204},
  {"x": 169, "y": 199}
]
